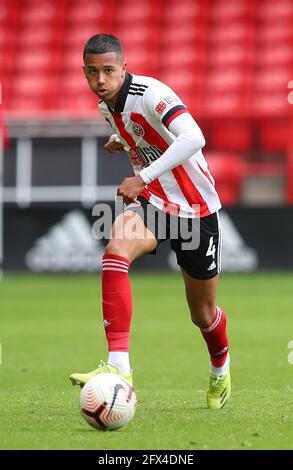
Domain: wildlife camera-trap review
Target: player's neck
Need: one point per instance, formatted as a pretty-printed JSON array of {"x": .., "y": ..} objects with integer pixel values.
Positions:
[{"x": 111, "y": 103}]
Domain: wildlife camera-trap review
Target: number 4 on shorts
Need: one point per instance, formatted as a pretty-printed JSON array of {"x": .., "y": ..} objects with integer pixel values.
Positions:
[{"x": 212, "y": 248}]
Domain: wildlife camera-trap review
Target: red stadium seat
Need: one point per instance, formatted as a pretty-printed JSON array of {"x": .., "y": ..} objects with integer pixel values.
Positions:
[
  {"x": 89, "y": 12},
  {"x": 230, "y": 135},
  {"x": 142, "y": 61},
  {"x": 271, "y": 103},
  {"x": 139, "y": 35},
  {"x": 78, "y": 103},
  {"x": 9, "y": 15},
  {"x": 194, "y": 58},
  {"x": 73, "y": 62},
  {"x": 276, "y": 10},
  {"x": 229, "y": 80},
  {"x": 183, "y": 80},
  {"x": 46, "y": 13},
  {"x": 184, "y": 34},
  {"x": 77, "y": 37},
  {"x": 30, "y": 104},
  {"x": 237, "y": 55},
  {"x": 276, "y": 32},
  {"x": 274, "y": 134},
  {"x": 35, "y": 85},
  {"x": 42, "y": 59},
  {"x": 276, "y": 55},
  {"x": 186, "y": 10},
  {"x": 226, "y": 104},
  {"x": 234, "y": 58},
  {"x": 74, "y": 83},
  {"x": 40, "y": 36},
  {"x": 224, "y": 11},
  {"x": 272, "y": 79},
  {"x": 133, "y": 12},
  {"x": 228, "y": 171},
  {"x": 233, "y": 33}
]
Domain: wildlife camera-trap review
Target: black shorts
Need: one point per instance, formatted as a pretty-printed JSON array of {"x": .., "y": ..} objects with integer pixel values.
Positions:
[{"x": 196, "y": 242}]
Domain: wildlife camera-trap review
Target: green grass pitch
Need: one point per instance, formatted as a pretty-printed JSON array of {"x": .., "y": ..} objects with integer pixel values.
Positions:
[{"x": 51, "y": 327}]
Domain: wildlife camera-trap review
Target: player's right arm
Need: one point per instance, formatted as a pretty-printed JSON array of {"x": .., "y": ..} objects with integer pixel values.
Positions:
[{"x": 165, "y": 107}]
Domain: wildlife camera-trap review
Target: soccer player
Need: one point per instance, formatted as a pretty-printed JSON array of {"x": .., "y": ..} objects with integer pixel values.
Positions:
[{"x": 172, "y": 178}]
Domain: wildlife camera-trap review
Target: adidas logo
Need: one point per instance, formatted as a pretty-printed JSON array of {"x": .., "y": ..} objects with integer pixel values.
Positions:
[
  {"x": 106, "y": 323},
  {"x": 212, "y": 266},
  {"x": 68, "y": 246},
  {"x": 222, "y": 352}
]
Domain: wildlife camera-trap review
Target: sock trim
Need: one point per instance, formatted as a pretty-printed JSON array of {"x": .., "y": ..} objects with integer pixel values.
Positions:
[
  {"x": 113, "y": 264},
  {"x": 215, "y": 322},
  {"x": 118, "y": 258}
]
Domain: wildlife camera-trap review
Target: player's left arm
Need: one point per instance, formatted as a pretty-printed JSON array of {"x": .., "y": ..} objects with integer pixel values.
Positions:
[{"x": 173, "y": 114}]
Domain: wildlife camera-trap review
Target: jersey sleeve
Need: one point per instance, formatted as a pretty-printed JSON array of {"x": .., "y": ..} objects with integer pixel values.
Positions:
[{"x": 162, "y": 103}]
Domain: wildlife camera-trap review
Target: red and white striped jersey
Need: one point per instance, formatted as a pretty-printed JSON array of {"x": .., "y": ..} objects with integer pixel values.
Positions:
[{"x": 144, "y": 111}]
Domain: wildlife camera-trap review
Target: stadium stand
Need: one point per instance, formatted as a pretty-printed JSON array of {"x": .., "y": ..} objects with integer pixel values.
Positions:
[{"x": 231, "y": 62}]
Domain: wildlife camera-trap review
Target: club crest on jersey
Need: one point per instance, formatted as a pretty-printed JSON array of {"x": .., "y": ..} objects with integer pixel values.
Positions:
[{"x": 138, "y": 129}]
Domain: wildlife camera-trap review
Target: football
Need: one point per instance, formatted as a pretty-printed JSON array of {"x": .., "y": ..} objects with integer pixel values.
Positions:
[{"x": 107, "y": 401}]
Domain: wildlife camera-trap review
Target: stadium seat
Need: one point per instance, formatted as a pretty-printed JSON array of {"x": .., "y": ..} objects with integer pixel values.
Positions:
[
  {"x": 231, "y": 135},
  {"x": 226, "y": 104},
  {"x": 219, "y": 60},
  {"x": 276, "y": 33},
  {"x": 80, "y": 103},
  {"x": 186, "y": 10},
  {"x": 133, "y": 12},
  {"x": 142, "y": 61},
  {"x": 233, "y": 55},
  {"x": 77, "y": 37},
  {"x": 223, "y": 11},
  {"x": 74, "y": 82},
  {"x": 25, "y": 105},
  {"x": 228, "y": 171},
  {"x": 188, "y": 57},
  {"x": 87, "y": 12},
  {"x": 274, "y": 134},
  {"x": 233, "y": 33},
  {"x": 45, "y": 13},
  {"x": 272, "y": 79},
  {"x": 276, "y": 55},
  {"x": 271, "y": 103},
  {"x": 184, "y": 34},
  {"x": 139, "y": 35},
  {"x": 9, "y": 14},
  {"x": 273, "y": 11},
  {"x": 42, "y": 36},
  {"x": 38, "y": 59},
  {"x": 233, "y": 79}
]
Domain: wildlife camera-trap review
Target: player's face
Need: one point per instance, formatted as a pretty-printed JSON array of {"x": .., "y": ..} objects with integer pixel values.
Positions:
[{"x": 105, "y": 75}]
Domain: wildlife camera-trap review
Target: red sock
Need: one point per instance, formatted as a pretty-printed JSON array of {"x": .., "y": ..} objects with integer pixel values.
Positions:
[
  {"x": 215, "y": 336},
  {"x": 117, "y": 301}
]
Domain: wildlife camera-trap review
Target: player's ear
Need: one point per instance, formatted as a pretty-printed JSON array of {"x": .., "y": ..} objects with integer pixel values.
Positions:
[
  {"x": 123, "y": 69},
  {"x": 83, "y": 67}
]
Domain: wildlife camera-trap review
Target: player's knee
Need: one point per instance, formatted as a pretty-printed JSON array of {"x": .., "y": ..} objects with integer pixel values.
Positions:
[
  {"x": 202, "y": 315},
  {"x": 115, "y": 247}
]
